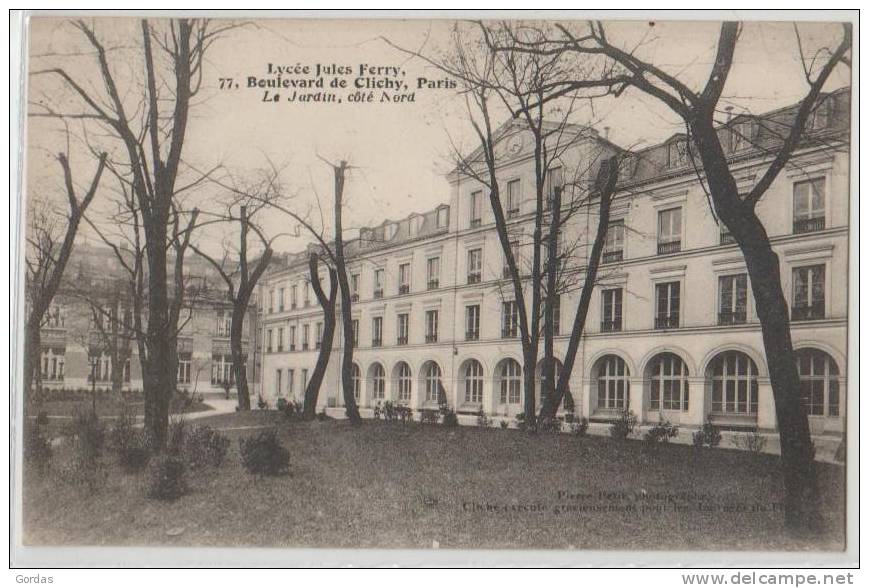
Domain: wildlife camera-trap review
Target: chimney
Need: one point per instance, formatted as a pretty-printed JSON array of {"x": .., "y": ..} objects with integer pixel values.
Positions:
[{"x": 729, "y": 110}]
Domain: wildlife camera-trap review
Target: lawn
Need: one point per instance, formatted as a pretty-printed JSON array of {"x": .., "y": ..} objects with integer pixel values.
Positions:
[
  {"x": 418, "y": 486},
  {"x": 108, "y": 406}
]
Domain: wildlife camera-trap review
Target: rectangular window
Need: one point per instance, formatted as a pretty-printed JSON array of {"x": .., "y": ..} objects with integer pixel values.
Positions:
[
  {"x": 725, "y": 236},
  {"x": 281, "y": 300},
  {"x": 221, "y": 369},
  {"x": 377, "y": 331},
  {"x": 611, "y": 310},
  {"x": 184, "y": 363},
  {"x": 554, "y": 180},
  {"x": 732, "y": 299},
  {"x": 280, "y": 338},
  {"x": 293, "y": 338},
  {"x": 355, "y": 332},
  {"x": 354, "y": 287},
  {"x": 669, "y": 231},
  {"x": 294, "y": 297},
  {"x": 305, "y": 331},
  {"x": 514, "y": 248},
  {"x": 378, "y": 283},
  {"x": 278, "y": 382},
  {"x": 304, "y": 379},
  {"x": 269, "y": 340},
  {"x": 307, "y": 293},
  {"x": 431, "y": 326},
  {"x": 514, "y": 198},
  {"x": 433, "y": 272},
  {"x": 809, "y": 287},
  {"x": 614, "y": 246},
  {"x": 404, "y": 278},
  {"x": 475, "y": 266},
  {"x": 510, "y": 319},
  {"x": 667, "y": 305},
  {"x": 476, "y": 208},
  {"x": 291, "y": 382},
  {"x": 809, "y": 206},
  {"x": 271, "y": 301},
  {"x": 472, "y": 322},
  {"x": 319, "y": 340},
  {"x": 224, "y": 323},
  {"x": 403, "y": 329}
]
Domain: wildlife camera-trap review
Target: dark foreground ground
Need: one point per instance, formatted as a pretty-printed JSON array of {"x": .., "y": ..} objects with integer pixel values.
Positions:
[{"x": 421, "y": 486}]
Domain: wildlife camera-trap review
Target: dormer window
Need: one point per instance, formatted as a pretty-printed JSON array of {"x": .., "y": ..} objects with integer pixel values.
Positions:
[
  {"x": 678, "y": 153},
  {"x": 627, "y": 165},
  {"x": 443, "y": 217},
  {"x": 741, "y": 134},
  {"x": 819, "y": 118},
  {"x": 390, "y": 230}
]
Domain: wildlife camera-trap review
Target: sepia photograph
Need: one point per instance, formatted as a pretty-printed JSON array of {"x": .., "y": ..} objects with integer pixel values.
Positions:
[{"x": 539, "y": 282}]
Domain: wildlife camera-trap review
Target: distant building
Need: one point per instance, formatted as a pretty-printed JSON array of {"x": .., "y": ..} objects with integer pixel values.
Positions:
[
  {"x": 672, "y": 332},
  {"x": 76, "y": 350}
]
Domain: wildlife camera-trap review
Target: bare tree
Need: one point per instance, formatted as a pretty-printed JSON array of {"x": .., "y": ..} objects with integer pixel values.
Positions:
[
  {"x": 151, "y": 134},
  {"x": 49, "y": 246},
  {"x": 697, "y": 109},
  {"x": 521, "y": 83},
  {"x": 327, "y": 303},
  {"x": 241, "y": 282}
]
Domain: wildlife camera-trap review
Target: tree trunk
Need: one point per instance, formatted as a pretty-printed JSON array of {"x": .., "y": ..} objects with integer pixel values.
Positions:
[
  {"x": 312, "y": 392},
  {"x": 547, "y": 388},
  {"x": 239, "y": 361},
  {"x": 157, "y": 378},
  {"x": 346, "y": 316},
  {"x": 32, "y": 356},
  {"x": 764, "y": 272},
  {"x": 605, "y": 186}
]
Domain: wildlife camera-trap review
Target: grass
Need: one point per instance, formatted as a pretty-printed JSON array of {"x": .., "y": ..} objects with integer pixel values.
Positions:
[
  {"x": 391, "y": 485},
  {"x": 108, "y": 406}
]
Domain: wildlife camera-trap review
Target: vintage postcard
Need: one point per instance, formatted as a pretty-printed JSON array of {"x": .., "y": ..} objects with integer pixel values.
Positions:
[{"x": 551, "y": 284}]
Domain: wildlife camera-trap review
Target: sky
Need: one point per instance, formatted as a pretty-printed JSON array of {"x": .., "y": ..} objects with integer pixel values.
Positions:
[{"x": 400, "y": 152}]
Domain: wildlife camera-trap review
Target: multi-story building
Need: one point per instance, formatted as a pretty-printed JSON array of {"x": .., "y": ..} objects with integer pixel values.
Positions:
[
  {"x": 77, "y": 352},
  {"x": 672, "y": 332}
]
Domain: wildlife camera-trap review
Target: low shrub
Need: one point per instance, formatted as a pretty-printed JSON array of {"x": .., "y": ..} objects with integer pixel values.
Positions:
[
  {"x": 449, "y": 417},
  {"x": 37, "y": 447},
  {"x": 205, "y": 447},
  {"x": 521, "y": 422},
  {"x": 482, "y": 419},
  {"x": 578, "y": 427},
  {"x": 429, "y": 416},
  {"x": 504, "y": 423},
  {"x": 290, "y": 408},
  {"x": 841, "y": 452},
  {"x": 168, "y": 478},
  {"x": 751, "y": 441},
  {"x": 661, "y": 433},
  {"x": 130, "y": 444},
  {"x": 88, "y": 434},
  {"x": 404, "y": 413},
  {"x": 322, "y": 416},
  {"x": 261, "y": 403},
  {"x": 709, "y": 435},
  {"x": 263, "y": 455},
  {"x": 623, "y": 426},
  {"x": 549, "y": 424},
  {"x": 177, "y": 436}
]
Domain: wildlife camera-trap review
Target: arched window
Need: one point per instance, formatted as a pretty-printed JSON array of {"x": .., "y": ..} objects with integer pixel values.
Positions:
[
  {"x": 613, "y": 384},
  {"x": 356, "y": 378},
  {"x": 733, "y": 377},
  {"x": 819, "y": 382},
  {"x": 668, "y": 383},
  {"x": 545, "y": 386},
  {"x": 404, "y": 382},
  {"x": 432, "y": 379},
  {"x": 378, "y": 382},
  {"x": 473, "y": 382},
  {"x": 511, "y": 382}
]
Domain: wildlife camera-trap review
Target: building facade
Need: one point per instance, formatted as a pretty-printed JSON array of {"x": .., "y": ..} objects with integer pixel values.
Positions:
[
  {"x": 672, "y": 331},
  {"x": 78, "y": 353}
]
